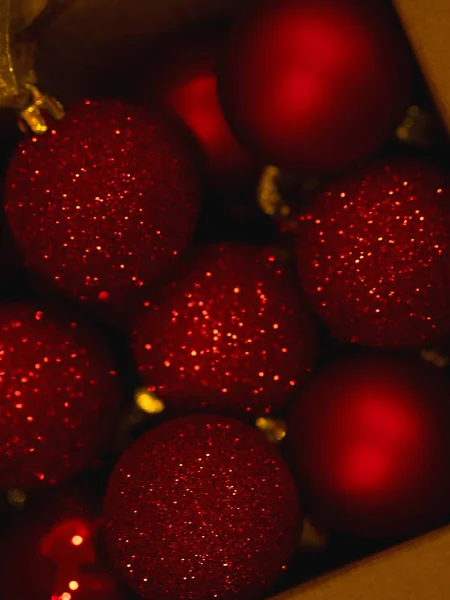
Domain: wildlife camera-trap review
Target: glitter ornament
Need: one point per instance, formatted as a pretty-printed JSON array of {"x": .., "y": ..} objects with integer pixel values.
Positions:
[
  {"x": 374, "y": 254},
  {"x": 52, "y": 550},
  {"x": 229, "y": 334},
  {"x": 105, "y": 202},
  {"x": 368, "y": 441},
  {"x": 316, "y": 85},
  {"x": 60, "y": 397},
  {"x": 184, "y": 83},
  {"x": 201, "y": 507}
]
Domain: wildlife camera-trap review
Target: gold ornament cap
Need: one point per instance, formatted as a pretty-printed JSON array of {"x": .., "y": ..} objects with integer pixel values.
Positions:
[{"x": 273, "y": 429}]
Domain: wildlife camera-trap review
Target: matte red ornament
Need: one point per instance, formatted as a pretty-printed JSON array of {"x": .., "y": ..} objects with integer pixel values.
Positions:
[
  {"x": 368, "y": 441},
  {"x": 201, "y": 507},
  {"x": 316, "y": 85},
  {"x": 52, "y": 551},
  {"x": 105, "y": 202},
  {"x": 59, "y": 397},
  {"x": 229, "y": 334},
  {"x": 374, "y": 254},
  {"x": 184, "y": 84}
]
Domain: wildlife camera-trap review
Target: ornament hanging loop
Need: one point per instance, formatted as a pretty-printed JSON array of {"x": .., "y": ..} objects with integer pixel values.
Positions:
[{"x": 18, "y": 80}]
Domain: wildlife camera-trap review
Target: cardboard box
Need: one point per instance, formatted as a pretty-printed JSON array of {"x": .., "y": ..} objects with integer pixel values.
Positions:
[
  {"x": 416, "y": 570},
  {"x": 427, "y": 25}
]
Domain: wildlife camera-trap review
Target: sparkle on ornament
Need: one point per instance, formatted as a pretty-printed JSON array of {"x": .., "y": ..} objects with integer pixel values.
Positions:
[
  {"x": 211, "y": 495},
  {"x": 65, "y": 391},
  {"x": 77, "y": 540},
  {"x": 374, "y": 259},
  {"x": 123, "y": 202},
  {"x": 232, "y": 326}
]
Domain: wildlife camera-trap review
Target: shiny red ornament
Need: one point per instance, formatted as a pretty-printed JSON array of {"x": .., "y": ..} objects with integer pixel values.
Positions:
[
  {"x": 184, "y": 84},
  {"x": 52, "y": 551},
  {"x": 105, "y": 202},
  {"x": 316, "y": 85},
  {"x": 368, "y": 441},
  {"x": 59, "y": 396},
  {"x": 374, "y": 254},
  {"x": 229, "y": 334},
  {"x": 201, "y": 507}
]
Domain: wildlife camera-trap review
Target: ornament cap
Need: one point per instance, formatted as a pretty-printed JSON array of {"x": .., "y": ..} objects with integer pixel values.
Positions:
[
  {"x": 31, "y": 116},
  {"x": 280, "y": 194},
  {"x": 420, "y": 128},
  {"x": 273, "y": 429},
  {"x": 313, "y": 538}
]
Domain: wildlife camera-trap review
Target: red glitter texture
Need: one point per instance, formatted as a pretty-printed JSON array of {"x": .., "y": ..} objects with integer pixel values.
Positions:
[
  {"x": 374, "y": 254},
  {"x": 316, "y": 85},
  {"x": 59, "y": 397},
  {"x": 201, "y": 507},
  {"x": 105, "y": 202},
  {"x": 52, "y": 552},
  {"x": 369, "y": 444},
  {"x": 230, "y": 334}
]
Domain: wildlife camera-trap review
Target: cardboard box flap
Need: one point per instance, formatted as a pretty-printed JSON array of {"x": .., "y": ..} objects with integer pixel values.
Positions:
[
  {"x": 416, "y": 570},
  {"x": 427, "y": 24}
]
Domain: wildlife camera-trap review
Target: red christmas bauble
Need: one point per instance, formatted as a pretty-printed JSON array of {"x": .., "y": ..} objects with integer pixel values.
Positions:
[
  {"x": 52, "y": 551},
  {"x": 316, "y": 85},
  {"x": 374, "y": 254},
  {"x": 59, "y": 396},
  {"x": 368, "y": 441},
  {"x": 105, "y": 202},
  {"x": 184, "y": 83},
  {"x": 201, "y": 507},
  {"x": 229, "y": 334}
]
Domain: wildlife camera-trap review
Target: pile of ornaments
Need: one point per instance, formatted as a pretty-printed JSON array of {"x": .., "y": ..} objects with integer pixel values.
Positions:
[{"x": 199, "y": 504}]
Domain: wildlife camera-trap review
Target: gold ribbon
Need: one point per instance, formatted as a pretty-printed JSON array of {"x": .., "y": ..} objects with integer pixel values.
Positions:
[
  {"x": 9, "y": 88},
  {"x": 18, "y": 79}
]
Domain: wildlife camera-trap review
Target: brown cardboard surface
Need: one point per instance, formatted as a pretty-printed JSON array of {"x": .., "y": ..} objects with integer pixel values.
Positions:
[
  {"x": 427, "y": 24},
  {"x": 417, "y": 570}
]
